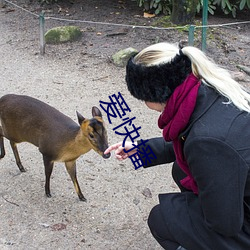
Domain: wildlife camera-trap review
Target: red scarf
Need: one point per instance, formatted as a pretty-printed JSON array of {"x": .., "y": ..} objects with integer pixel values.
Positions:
[{"x": 174, "y": 119}]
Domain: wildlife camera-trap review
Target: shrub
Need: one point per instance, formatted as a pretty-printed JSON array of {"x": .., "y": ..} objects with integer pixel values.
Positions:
[
  {"x": 156, "y": 6},
  {"x": 227, "y": 6}
]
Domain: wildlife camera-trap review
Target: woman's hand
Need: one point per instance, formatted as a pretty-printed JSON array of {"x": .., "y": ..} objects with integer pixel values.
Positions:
[{"x": 119, "y": 150}]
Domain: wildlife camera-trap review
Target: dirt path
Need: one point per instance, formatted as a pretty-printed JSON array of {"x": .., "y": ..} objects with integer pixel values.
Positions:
[
  {"x": 115, "y": 214},
  {"x": 76, "y": 77}
]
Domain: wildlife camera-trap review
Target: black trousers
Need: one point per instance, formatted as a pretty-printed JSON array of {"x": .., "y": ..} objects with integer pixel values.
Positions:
[
  {"x": 156, "y": 222},
  {"x": 179, "y": 221}
]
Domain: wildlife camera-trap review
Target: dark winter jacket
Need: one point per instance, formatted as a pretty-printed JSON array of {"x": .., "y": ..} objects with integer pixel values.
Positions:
[{"x": 216, "y": 145}]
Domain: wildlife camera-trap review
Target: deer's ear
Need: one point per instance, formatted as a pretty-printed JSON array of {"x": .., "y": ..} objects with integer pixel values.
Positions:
[
  {"x": 80, "y": 118},
  {"x": 96, "y": 111}
]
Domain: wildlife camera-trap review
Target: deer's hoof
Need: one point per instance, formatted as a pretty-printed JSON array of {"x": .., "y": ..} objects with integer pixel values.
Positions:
[
  {"x": 82, "y": 198},
  {"x": 48, "y": 195}
]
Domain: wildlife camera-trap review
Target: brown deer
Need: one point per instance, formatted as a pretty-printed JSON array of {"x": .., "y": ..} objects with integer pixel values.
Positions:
[{"x": 59, "y": 138}]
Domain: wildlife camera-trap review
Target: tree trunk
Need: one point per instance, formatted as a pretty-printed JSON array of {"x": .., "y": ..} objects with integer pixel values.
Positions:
[{"x": 183, "y": 11}]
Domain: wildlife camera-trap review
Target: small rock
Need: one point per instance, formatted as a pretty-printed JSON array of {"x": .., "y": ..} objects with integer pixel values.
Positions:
[
  {"x": 121, "y": 58},
  {"x": 2, "y": 3},
  {"x": 44, "y": 225},
  {"x": 9, "y": 243},
  {"x": 136, "y": 201},
  {"x": 244, "y": 68},
  {"x": 62, "y": 34},
  {"x": 147, "y": 193},
  {"x": 239, "y": 76}
]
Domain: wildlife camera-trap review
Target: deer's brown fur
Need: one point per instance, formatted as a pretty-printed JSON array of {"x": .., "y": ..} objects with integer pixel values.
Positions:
[{"x": 58, "y": 137}]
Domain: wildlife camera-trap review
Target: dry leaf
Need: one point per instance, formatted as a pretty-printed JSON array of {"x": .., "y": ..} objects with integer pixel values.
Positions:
[
  {"x": 58, "y": 227},
  {"x": 147, "y": 15}
]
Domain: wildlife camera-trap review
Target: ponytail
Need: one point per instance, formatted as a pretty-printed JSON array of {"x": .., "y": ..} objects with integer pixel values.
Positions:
[{"x": 218, "y": 78}]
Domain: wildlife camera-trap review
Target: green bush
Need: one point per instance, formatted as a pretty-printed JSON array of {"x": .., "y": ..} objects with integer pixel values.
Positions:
[
  {"x": 211, "y": 7},
  {"x": 227, "y": 6},
  {"x": 156, "y": 6},
  {"x": 232, "y": 6}
]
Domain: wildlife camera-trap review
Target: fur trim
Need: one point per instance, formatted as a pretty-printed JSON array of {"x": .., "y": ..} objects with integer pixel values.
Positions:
[{"x": 156, "y": 83}]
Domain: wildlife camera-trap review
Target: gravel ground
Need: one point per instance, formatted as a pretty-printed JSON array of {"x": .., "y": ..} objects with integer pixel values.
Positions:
[{"x": 76, "y": 76}]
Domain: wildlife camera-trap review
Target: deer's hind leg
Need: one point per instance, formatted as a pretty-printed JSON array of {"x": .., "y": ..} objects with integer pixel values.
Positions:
[
  {"x": 71, "y": 168},
  {"x": 48, "y": 164},
  {"x": 15, "y": 151},
  {"x": 1, "y": 144}
]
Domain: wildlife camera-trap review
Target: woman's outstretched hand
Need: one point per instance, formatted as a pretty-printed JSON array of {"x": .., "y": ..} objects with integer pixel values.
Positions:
[{"x": 119, "y": 150}]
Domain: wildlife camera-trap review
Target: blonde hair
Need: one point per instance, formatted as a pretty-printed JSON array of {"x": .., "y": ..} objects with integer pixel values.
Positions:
[{"x": 202, "y": 67}]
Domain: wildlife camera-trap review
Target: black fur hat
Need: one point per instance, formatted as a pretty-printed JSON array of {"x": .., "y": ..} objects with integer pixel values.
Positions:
[{"x": 156, "y": 83}]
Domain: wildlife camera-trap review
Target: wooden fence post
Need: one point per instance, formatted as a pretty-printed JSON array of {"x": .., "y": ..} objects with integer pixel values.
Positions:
[{"x": 42, "y": 31}]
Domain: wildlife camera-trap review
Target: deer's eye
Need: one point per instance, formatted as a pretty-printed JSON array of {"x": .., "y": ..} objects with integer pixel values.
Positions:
[{"x": 91, "y": 136}]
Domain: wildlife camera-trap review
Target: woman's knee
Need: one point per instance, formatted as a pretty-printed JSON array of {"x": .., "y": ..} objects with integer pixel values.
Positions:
[
  {"x": 153, "y": 218},
  {"x": 159, "y": 229}
]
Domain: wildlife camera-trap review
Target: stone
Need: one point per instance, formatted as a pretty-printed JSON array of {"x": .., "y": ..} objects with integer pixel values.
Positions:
[
  {"x": 239, "y": 76},
  {"x": 63, "y": 34},
  {"x": 244, "y": 68},
  {"x": 147, "y": 193},
  {"x": 121, "y": 58},
  {"x": 2, "y": 3}
]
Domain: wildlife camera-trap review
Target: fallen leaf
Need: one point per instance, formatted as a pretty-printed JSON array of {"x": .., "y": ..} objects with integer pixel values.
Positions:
[
  {"x": 147, "y": 15},
  {"x": 58, "y": 227}
]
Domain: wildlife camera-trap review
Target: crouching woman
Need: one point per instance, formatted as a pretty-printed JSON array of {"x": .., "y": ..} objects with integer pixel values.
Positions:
[{"x": 205, "y": 121}]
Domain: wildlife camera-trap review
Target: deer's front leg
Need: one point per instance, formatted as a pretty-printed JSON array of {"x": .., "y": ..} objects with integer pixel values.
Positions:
[{"x": 71, "y": 168}]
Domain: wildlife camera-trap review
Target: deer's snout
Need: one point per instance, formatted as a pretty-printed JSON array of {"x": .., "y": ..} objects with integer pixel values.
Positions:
[{"x": 106, "y": 156}]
